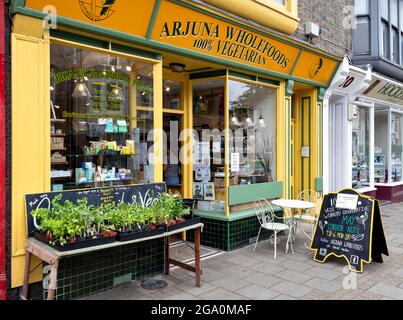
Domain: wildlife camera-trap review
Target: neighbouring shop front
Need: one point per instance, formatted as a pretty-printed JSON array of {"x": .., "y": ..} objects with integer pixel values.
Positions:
[
  {"x": 171, "y": 93},
  {"x": 363, "y": 108}
]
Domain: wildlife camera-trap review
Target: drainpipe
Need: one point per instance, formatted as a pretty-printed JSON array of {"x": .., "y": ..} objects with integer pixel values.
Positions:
[{"x": 2, "y": 157}]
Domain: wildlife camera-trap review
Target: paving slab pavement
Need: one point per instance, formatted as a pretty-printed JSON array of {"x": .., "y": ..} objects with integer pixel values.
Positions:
[{"x": 244, "y": 274}]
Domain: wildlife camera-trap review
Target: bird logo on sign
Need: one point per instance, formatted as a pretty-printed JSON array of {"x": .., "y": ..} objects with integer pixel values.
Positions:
[
  {"x": 97, "y": 10},
  {"x": 316, "y": 68}
]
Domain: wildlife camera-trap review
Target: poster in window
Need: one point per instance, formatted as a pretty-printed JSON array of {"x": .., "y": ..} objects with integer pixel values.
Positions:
[
  {"x": 198, "y": 191},
  {"x": 209, "y": 192}
]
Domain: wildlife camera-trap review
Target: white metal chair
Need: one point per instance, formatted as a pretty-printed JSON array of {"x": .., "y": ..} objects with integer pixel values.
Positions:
[
  {"x": 267, "y": 220},
  {"x": 310, "y": 216}
]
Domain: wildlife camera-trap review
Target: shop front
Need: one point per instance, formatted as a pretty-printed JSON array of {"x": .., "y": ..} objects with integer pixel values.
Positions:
[
  {"x": 220, "y": 111},
  {"x": 365, "y": 108},
  {"x": 386, "y": 96}
]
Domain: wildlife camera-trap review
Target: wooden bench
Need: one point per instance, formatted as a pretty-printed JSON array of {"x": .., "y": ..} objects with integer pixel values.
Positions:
[{"x": 52, "y": 256}]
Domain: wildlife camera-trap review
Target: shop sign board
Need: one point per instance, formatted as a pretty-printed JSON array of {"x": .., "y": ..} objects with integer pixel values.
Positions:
[
  {"x": 191, "y": 28},
  {"x": 144, "y": 194},
  {"x": 385, "y": 90},
  {"x": 350, "y": 227},
  {"x": 111, "y": 14}
]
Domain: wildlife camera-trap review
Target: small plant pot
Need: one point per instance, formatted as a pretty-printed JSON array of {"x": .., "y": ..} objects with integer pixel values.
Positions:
[{"x": 107, "y": 234}]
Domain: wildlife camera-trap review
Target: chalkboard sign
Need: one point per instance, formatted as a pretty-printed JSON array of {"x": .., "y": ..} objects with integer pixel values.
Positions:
[
  {"x": 349, "y": 227},
  {"x": 144, "y": 194}
]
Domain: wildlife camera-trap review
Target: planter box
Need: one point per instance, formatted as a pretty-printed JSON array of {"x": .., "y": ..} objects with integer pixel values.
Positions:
[
  {"x": 79, "y": 244},
  {"x": 138, "y": 234},
  {"x": 189, "y": 222}
]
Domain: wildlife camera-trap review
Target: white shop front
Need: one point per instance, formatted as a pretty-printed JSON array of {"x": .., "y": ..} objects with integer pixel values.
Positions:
[{"x": 363, "y": 134}]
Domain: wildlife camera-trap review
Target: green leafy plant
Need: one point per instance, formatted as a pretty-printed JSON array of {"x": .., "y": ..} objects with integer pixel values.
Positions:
[{"x": 67, "y": 222}]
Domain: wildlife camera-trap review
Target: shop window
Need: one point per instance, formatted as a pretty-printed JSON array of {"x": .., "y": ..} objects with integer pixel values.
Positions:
[
  {"x": 360, "y": 148},
  {"x": 209, "y": 145},
  {"x": 253, "y": 128},
  {"x": 396, "y": 145},
  {"x": 381, "y": 151},
  {"x": 172, "y": 95},
  {"x": 98, "y": 137}
]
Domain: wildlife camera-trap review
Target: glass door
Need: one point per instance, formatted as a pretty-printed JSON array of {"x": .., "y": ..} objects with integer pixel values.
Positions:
[{"x": 173, "y": 124}]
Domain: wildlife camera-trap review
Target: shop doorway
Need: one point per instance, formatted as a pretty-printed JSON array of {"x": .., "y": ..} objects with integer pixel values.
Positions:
[
  {"x": 173, "y": 124},
  {"x": 173, "y": 173},
  {"x": 303, "y": 141}
]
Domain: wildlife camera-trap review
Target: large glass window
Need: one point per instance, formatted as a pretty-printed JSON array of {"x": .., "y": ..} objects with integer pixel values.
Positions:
[
  {"x": 360, "y": 147},
  {"x": 253, "y": 127},
  {"x": 98, "y": 137},
  {"x": 172, "y": 95},
  {"x": 397, "y": 148},
  {"x": 209, "y": 145},
  {"x": 381, "y": 151}
]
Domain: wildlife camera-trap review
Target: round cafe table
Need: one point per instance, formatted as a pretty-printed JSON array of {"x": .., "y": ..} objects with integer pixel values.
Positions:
[{"x": 293, "y": 204}]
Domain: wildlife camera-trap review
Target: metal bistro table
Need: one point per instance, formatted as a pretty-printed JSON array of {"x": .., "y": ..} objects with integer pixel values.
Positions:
[
  {"x": 293, "y": 204},
  {"x": 52, "y": 256}
]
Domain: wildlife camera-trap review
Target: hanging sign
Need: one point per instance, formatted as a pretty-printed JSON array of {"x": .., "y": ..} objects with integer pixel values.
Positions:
[{"x": 349, "y": 227}]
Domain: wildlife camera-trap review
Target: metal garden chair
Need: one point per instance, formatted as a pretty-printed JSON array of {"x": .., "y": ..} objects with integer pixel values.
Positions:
[
  {"x": 308, "y": 215},
  {"x": 268, "y": 221}
]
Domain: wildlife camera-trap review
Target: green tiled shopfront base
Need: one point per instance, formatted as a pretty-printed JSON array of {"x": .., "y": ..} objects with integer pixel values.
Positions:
[
  {"x": 229, "y": 234},
  {"x": 100, "y": 270}
]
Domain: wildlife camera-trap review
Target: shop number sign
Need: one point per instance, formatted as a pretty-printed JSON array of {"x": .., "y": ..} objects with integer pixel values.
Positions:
[{"x": 349, "y": 227}]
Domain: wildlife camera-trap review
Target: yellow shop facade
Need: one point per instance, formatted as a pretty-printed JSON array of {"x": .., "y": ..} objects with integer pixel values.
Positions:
[{"x": 90, "y": 77}]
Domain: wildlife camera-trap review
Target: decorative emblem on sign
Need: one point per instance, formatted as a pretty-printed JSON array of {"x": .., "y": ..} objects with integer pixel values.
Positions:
[
  {"x": 97, "y": 10},
  {"x": 316, "y": 68}
]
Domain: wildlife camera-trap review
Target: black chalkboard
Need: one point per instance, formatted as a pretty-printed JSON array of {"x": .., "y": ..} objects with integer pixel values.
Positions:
[
  {"x": 143, "y": 194},
  {"x": 356, "y": 235}
]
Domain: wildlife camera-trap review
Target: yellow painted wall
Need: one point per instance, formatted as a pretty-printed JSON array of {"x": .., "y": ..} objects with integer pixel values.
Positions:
[
  {"x": 282, "y": 18},
  {"x": 30, "y": 132}
]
